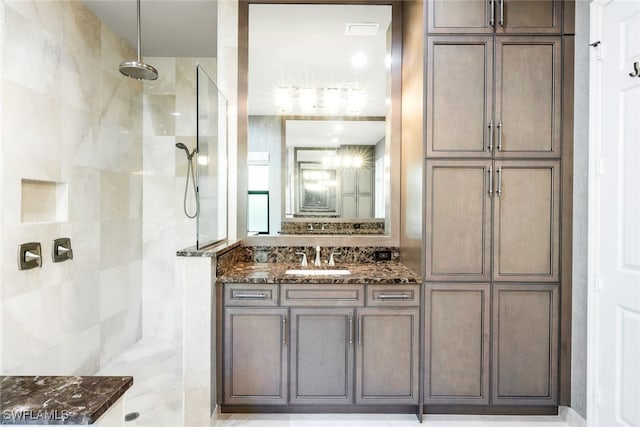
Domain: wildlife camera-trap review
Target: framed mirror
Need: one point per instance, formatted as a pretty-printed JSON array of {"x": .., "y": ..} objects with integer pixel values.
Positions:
[{"x": 319, "y": 133}]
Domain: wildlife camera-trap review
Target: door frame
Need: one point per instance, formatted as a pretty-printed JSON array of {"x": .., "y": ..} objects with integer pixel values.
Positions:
[{"x": 593, "y": 240}]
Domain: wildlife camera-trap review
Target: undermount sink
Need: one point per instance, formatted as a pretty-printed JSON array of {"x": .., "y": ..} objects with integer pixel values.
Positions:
[{"x": 318, "y": 272}]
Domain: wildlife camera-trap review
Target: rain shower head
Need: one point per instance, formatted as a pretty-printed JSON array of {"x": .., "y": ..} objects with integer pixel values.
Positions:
[{"x": 137, "y": 69}]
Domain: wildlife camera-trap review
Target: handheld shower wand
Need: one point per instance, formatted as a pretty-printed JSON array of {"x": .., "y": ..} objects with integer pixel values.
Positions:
[
  {"x": 190, "y": 175},
  {"x": 181, "y": 146}
]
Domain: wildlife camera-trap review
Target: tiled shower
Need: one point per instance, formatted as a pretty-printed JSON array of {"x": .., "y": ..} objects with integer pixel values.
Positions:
[{"x": 90, "y": 155}]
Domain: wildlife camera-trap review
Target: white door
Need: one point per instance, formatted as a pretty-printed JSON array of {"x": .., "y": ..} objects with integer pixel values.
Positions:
[{"x": 614, "y": 217}]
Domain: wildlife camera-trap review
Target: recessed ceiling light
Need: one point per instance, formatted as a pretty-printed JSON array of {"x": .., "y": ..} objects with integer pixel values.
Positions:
[{"x": 359, "y": 60}]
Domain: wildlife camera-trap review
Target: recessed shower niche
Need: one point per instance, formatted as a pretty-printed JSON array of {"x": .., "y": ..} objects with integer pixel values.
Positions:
[{"x": 44, "y": 201}]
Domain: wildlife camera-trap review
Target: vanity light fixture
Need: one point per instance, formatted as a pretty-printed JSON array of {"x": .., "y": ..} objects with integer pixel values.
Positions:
[
  {"x": 283, "y": 100},
  {"x": 331, "y": 100},
  {"x": 344, "y": 161},
  {"x": 355, "y": 101},
  {"x": 307, "y": 100}
]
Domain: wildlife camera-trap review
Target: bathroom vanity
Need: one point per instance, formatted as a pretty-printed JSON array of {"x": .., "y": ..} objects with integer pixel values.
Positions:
[{"x": 329, "y": 342}]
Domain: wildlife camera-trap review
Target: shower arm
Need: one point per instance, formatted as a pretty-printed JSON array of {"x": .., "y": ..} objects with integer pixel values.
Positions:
[{"x": 139, "y": 56}]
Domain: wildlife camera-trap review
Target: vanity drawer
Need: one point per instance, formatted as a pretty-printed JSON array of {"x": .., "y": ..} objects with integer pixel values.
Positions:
[
  {"x": 393, "y": 295},
  {"x": 322, "y": 295},
  {"x": 247, "y": 295}
]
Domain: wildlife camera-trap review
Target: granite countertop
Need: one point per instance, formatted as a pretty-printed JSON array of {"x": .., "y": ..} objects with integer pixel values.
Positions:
[
  {"x": 208, "y": 251},
  {"x": 381, "y": 272},
  {"x": 48, "y": 400}
]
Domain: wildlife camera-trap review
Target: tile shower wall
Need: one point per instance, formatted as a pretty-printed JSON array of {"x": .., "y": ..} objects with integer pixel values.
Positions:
[
  {"x": 70, "y": 119},
  {"x": 169, "y": 116}
]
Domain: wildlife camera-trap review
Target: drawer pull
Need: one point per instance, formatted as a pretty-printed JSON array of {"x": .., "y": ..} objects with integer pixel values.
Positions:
[
  {"x": 394, "y": 296},
  {"x": 253, "y": 296}
]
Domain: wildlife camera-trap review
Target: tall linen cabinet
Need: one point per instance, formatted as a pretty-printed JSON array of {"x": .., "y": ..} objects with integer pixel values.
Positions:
[{"x": 497, "y": 194}]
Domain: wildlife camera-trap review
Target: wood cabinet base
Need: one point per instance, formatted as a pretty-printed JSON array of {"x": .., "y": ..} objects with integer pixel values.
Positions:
[
  {"x": 490, "y": 410},
  {"x": 315, "y": 409}
]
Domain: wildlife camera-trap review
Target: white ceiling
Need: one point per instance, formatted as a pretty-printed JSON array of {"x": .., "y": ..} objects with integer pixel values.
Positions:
[
  {"x": 304, "y": 45},
  {"x": 171, "y": 28},
  {"x": 320, "y": 133}
]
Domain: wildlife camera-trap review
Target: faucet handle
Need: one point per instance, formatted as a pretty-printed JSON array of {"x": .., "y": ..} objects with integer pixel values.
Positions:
[
  {"x": 331, "y": 261},
  {"x": 303, "y": 263}
]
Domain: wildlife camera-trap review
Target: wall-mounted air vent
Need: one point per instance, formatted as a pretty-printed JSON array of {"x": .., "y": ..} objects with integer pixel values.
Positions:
[{"x": 362, "y": 29}]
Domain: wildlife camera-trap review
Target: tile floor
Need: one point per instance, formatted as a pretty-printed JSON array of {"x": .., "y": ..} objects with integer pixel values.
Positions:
[{"x": 157, "y": 370}]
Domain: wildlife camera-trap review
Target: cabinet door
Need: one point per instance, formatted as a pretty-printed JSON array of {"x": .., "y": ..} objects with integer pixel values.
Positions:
[
  {"x": 528, "y": 96},
  {"x": 349, "y": 206},
  {"x": 529, "y": 16},
  {"x": 460, "y": 16},
  {"x": 457, "y": 324},
  {"x": 525, "y": 337},
  {"x": 526, "y": 221},
  {"x": 387, "y": 356},
  {"x": 459, "y": 96},
  {"x": 365, "y": 180},
  {"x": 365, "y": 206},
  {"x": 348, "y": 180},
  {"x": 255, "y": 356},
  {"x": 322, "y": 341},
  {"x": 458, "y": 220}
]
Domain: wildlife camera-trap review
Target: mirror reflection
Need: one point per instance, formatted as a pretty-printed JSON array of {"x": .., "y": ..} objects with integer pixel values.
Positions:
[{"x": 318, "y": 127}]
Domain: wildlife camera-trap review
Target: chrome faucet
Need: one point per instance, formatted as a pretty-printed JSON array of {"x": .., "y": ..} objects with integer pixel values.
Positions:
[
  {"x": 303, "y": 263},
  {"x": 331, "y": 260},
  {"x": 317, "y": 262}
]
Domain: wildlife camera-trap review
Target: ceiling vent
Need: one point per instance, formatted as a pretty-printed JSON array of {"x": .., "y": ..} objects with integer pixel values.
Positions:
[{"x": 362, "y": 29}]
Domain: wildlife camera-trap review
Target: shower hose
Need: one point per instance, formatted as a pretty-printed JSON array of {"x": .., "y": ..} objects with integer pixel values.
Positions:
[{"x": 190, "y": 176}]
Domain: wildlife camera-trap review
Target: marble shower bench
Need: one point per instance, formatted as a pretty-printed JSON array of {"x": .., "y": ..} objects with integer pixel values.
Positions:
[{"x": 62, "y": 400}]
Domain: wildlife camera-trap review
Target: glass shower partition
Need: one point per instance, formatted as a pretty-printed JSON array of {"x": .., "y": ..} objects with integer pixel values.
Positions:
[{"x": 212, "y": 161}]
